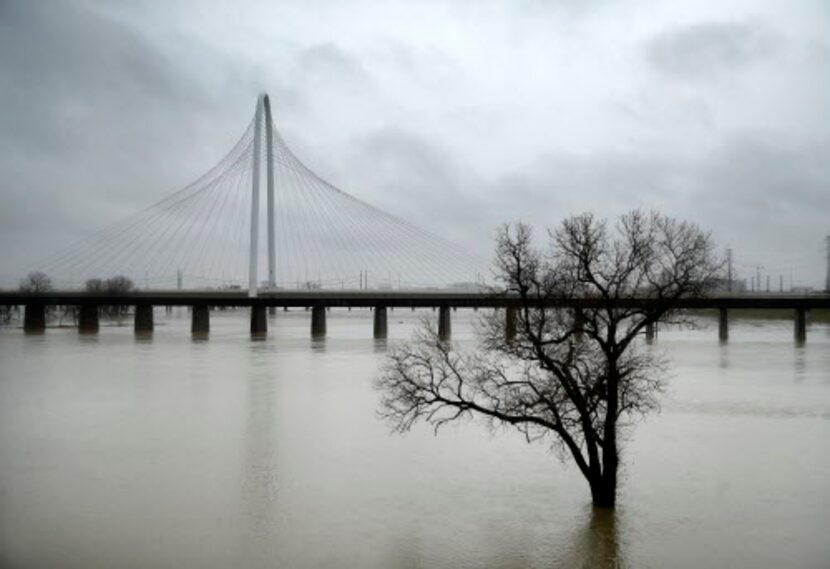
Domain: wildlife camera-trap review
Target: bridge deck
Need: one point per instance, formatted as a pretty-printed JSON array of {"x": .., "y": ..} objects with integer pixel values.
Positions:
[{"x": 355, "y": 298}]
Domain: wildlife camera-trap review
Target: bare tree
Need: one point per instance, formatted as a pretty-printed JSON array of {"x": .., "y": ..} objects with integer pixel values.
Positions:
[
  {"x": 8, "y": 313},
  {"x": 576, "y": 372},
  {"x": 94, "y": 285},
  {"x": 116, "y": 285},
  {"x": 119, "y": 284},
  {"x": 36, "y": 282}
]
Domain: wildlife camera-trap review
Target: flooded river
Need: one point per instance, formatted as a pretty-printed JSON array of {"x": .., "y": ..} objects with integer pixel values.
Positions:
[{"x": 123, "y": 452}]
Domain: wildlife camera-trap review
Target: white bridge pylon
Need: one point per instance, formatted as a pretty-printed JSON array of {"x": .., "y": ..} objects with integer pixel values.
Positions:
[
  {"x": 263, "y": 112},
  {"x": 208, "y": 235}
]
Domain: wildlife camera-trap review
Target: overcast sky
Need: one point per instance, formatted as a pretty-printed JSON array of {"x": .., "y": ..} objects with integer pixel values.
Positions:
[{"x": 457, "y": 116}]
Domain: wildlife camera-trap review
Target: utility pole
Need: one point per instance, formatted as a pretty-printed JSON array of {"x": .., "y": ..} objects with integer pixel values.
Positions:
[
  {"x": 758, "y": 277},
  {"x": 827, "y": 280},
  {"x": 729, "y": 269},
  {"x": 780, "y": 283},
  {"x": 767, "y": 283}
]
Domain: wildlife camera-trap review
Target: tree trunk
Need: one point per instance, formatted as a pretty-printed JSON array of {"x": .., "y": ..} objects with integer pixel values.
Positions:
[
  {"x": 604, "y": 491},
  {"x": 606, "y": 487}
]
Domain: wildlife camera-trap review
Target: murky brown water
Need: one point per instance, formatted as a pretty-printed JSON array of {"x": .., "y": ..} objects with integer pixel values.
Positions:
[{"x": 169, "y": 452}]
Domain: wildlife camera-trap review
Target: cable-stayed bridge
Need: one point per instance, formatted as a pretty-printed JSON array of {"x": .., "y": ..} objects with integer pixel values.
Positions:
[
  {"x": 260, "y": 219},
  {"x": 322, "y": 248}
]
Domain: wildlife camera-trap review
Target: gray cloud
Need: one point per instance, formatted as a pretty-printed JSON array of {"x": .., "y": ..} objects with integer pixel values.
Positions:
[
  {"x": 756, "y": 182},
  {"x": 407, "y": 174},
  {"x": 703, "y": 49},
  {"x": 456, "y": 117},
  {"x": 761, "y": 196},
  {"x": 69, "y": 82},
  {"x": 328, "y": 60}
]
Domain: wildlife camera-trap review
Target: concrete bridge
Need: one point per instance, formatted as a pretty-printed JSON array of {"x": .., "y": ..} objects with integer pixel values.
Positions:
[{"x": 380, "y": 301}]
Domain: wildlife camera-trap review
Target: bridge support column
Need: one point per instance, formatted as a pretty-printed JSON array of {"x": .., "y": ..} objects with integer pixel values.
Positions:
[
  {"x": 800, "y": 325},
  {"x": 272, "y": 311},
  {"x": 444, "y": 323},
  {"x": 34, "y": 318},
  {"x": 723, "y": 325},
  {"x": 88, "y": 319},
  {"x": 318, "y": 321},
  {"x": 200, "y": 319},
  {"x": 259, "y": 320},
  {"x": 380, "y": 326},
  {"x": 510, "y": 323},
  {"x": 143, "y": 318}
]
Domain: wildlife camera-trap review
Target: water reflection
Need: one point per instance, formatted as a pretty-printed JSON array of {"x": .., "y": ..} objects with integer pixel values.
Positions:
[
  {"x": 723, "y": 354},
  {"x": 253, "y": 453},
  {"x": 596, "y": 545},
  {"x": 318, "y": 344},
  {"x": 800, "y": 358},
  {"x": 406, "y": 553},
  {"x": 259, "y": 481},
  {"x": 88, "y": 338}
]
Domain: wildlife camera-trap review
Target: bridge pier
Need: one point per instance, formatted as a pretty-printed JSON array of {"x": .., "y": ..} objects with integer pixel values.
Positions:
[
  {"x": 444, "y": 323},
  {"x": 34, "y": 318},
  {"x": 723, "y": 325},
  {"x": 380, "y": 325},
  {"x": 143, "y": 318},
  {"x": 510, "y": 323},
  {"x": 800, "y": 325},
  {"x": 259, "y": 320},
  {"x": 318, "y": 321},
  {"x": 200, "y": 319},
  {"x": 272, "y": 311},
  {"x": 88, "y": 319}
]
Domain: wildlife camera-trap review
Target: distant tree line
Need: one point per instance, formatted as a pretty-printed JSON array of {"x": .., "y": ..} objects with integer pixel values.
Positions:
[
  {"x": 38, "y": 282},
  {"x": 118, "y": 284}
]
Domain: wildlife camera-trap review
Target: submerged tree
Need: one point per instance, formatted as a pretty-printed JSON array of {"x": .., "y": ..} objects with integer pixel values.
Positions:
[{"x": 573, "y": 370}]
